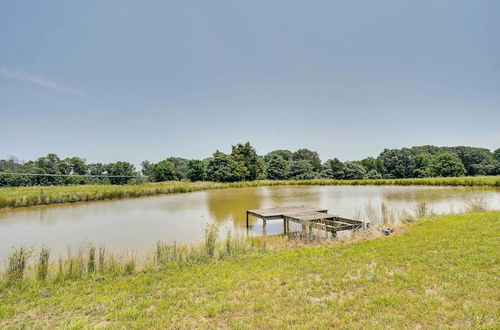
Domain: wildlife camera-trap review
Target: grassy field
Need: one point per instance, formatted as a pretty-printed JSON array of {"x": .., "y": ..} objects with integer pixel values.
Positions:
[
  {"x": 441, "y": 272},
  {"x": 30, "y": 196}
]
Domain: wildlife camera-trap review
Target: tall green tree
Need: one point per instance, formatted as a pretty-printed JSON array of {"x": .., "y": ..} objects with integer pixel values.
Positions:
[
  {"x": 301, "y": 170},
  {"x": 477, "y": 161},
  {"x": 371, "y": 163},
  {"x": 373, "y": 175},
  {"x": 422, "y": 165},
  {"x": 248, "y": 160},
  {"x": 354, "y": 171},
  {"x": 277, "y": 168},
  {"x": 287, "y": 155},
  {"x": 161, "y": 171},
  {"x": 310, "y": 156},
  {"x": 145, "y": 164},
  {"x": 496, "y": 155},
  {"x": 197, "y": 170},
  {"x": 398, "y": 163},
  {"x": 77, "y": 165},
  {"x": 96, "y": 169},
  {"x": 447, "y": 165},
  {"x": 223, "y": 168},
  {"x": 180, "y": 166},
  {"x": 50, "y": 164},
  {"x": 333, "y": 169},
  {"x": 120, "y": 169}
]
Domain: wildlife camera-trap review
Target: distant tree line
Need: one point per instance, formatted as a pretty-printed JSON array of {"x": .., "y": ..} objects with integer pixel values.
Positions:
[{"x": 244, "y": 164}]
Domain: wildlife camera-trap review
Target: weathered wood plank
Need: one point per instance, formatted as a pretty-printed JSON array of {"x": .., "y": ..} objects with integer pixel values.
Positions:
[{"x": 277, "y": 212}]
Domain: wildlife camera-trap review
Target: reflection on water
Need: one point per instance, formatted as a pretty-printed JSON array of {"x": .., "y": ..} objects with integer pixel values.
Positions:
[
  {"x": 138, "y": 223},
  {"x": 231, "y": 204}
]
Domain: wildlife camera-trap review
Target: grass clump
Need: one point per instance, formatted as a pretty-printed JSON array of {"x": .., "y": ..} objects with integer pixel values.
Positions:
[
  {"x": 477, "y": 205},
  {"x": 422, "y": 209},
  {"x": 102, "y": 262},
  {"x": 42, "y": 267},
  {"x": 130, "y": 265},
  {"x": 91, "y": 263},
  {"x": 211, "y": 233},
  {"x": 18, "y": 261}
]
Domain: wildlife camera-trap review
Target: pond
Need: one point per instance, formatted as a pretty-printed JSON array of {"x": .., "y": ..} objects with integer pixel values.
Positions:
[{"x": 136, "y": 224}]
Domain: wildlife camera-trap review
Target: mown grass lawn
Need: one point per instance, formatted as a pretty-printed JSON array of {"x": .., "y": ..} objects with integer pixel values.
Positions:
[{"x": 442, "y": 272}]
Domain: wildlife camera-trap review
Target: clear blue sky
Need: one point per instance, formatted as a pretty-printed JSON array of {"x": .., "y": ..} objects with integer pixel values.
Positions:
[{"x": 135, "y": 80}]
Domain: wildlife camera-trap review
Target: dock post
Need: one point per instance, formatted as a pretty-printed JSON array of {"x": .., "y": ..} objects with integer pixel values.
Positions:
[
  {"x": 247, "y": 219},
  {"x": 284, "y": 226},
  {"x": 264, "y": 229}
]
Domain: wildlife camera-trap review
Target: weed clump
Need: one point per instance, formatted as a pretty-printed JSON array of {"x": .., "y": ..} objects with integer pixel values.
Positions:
[
  {"x": 17, "y": 263},
  {"x": 422, "y": 209},
  {"x": 43, "y": 264},
  {"x": 477, "y": 205},
  {"x": 211, "y": 233},
  {"x": 91, "y": 261}
]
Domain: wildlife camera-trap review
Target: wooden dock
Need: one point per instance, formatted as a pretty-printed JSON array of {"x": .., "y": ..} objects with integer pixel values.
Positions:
[{"x": 308, "y": 217}]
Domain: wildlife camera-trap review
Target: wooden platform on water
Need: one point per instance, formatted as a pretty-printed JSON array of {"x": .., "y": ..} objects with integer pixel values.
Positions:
[{"x": 308, "y": 217}]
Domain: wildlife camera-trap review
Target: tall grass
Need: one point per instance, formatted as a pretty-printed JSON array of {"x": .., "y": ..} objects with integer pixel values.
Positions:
[
  {"x": 422, "y": 209},
  {"x": 130, "y": 265},
  {"x": 98, "y": 263},
  {"x": 477, "y": 205},
  {"x": 102, "y": 253},
  {"x": 17, "y": 263},
  {"x": 43, "y": 264},
  {"x": 30, "y": 196},
  {"x": 91, "y": 264},
  {"x": 211, "y": 233}
]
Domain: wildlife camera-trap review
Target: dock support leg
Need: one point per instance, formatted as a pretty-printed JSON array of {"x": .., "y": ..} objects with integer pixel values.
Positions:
[
  {"x": 284, "y": 226},
  {"x": 305, "y": 227},
  {"x": 287, "y": 226},
  {"x": 264, "y": 228}
]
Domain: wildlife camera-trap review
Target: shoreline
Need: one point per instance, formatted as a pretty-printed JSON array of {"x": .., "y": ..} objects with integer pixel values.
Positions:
[{"x": 21, "y": 197}]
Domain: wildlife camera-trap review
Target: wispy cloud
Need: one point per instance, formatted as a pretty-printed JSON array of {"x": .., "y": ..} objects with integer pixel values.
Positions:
[{"x": 24, "y": 76}]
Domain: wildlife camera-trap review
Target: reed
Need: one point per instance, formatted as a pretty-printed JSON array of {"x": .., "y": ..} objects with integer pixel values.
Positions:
[
  {"x": 17, "y": 263},
  {"x": 130, "y": 265},
  {"x": 421, "y": 209},
  {"x": 102, "y": 264},
  {"x": 477, "y": 205},
  {"x": 12, "y": 197},
  {"x": 227, "y": 244},
  {"x": 43, "y": 264},
  {"x": 75, "y": 267},
  {"x": 385, "y": 213},
  {"x": 211, "y": 233},
  {"x": 91, "y": 264}
]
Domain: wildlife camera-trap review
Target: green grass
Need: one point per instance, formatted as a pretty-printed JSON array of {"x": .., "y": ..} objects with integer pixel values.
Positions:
[
  {"x": 30, "y": 196},
  {"x": 442, "y": 272}
]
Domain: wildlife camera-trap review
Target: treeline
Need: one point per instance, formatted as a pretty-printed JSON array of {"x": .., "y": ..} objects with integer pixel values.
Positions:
[
  {"x": 53, "y": 171},
  {"x": 244, "y": 164}
]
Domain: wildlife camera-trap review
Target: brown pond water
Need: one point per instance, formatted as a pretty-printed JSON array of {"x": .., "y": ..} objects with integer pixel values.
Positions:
[{"x": 136, "y": 224}]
